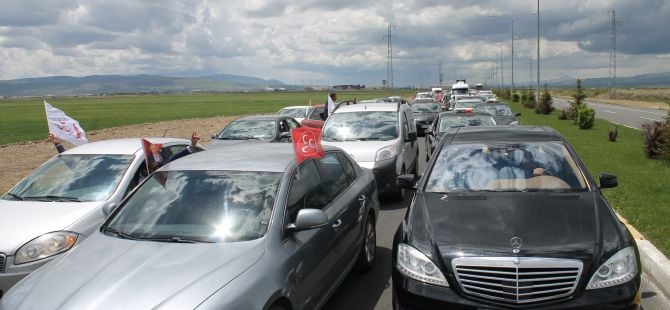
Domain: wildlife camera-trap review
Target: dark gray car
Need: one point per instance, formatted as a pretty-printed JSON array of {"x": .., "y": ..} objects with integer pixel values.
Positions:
[
  {"x": 233, "y": 228},
  {"x": 424, "y": 115}
]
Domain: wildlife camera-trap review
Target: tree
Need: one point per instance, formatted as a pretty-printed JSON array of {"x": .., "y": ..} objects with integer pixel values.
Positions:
[
  {"x": 545, "y": 106},
  {"x": 576, "y": 105}
]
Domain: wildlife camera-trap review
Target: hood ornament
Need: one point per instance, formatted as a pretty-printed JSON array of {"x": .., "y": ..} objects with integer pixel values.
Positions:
[{"x": 516, "y": 244}]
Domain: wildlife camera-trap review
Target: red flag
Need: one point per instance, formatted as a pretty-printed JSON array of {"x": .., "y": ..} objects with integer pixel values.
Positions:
[{"x": 307, "y": 143}]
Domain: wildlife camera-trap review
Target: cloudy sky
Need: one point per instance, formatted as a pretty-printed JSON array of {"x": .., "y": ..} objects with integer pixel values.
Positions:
[{"x": 329, "y": 41}]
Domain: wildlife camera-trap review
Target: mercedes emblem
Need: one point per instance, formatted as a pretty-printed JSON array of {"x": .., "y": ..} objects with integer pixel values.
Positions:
[{"x": 516, "y": 243}]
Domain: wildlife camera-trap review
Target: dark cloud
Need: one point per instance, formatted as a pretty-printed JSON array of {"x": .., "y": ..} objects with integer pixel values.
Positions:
[{"x": 25, "y": 13}]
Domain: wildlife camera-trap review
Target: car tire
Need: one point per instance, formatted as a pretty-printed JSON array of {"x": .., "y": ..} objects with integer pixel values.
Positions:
[{"x": 366, "y": 255}]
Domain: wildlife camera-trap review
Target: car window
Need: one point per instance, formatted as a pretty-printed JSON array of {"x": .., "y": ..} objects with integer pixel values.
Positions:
[
  {"x": 315, "y": 114},
  {"x": 363, "y": 126},
  {"x": 306, "y": 190},
  {"x": 531, "y": 166},
  {"x": 292, "y": 123},
  {"x": 348, "y": 168},
  {"x": 334, "y": 177},
  {"x": 77, "y": 176},
  {"x": 168, "y": 151},
  {"x": 249, "y": 129},
  {"x": 208, "y": 206}
]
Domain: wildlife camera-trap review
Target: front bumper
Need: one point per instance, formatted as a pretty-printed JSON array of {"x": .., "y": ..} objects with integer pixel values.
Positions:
[
  {"x": 14, "y": 273},
  {"x": 411, "y": 294}
]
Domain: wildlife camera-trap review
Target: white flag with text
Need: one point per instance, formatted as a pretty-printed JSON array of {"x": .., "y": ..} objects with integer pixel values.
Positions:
[{"x": 63, "y": 126}]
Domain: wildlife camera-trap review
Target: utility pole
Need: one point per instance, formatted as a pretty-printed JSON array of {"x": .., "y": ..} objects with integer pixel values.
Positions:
[
  {"x": 440, "y": 73},
  {"x": 502, "y": 75},
  {"x": 530, "y": 83},
  {"x": 389, "y": 57},
  {"x": 611, "y": 83},
  {"x": 537, "y": 94}
]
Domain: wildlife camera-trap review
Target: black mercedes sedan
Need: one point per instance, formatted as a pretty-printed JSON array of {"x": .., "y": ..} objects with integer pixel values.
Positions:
[{"x": 509, "y": 217}]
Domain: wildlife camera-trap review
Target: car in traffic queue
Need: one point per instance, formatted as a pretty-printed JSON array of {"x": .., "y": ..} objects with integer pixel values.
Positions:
[
  {"x": 446, "y": 121},
  {"x": 510, "y": 218},
  {"x": 62, "y": 202},
  {"x": 501, "y": 112},
  {"x": 266, "y": 128},
  {"x": 298, "y": 113},
  {"x": 315, "y": 118},
  {"x": 467, "y": 102},
  {"x": 424, "y": 115},
  {"x": 380, "y": 136},
  {"x": 236, "y": 228}
]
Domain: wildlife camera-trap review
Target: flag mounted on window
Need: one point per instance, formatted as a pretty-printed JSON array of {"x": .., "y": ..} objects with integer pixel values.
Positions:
[
  {"x": 63, "y": 126},
  {"x": 152, "y": 152},
  {"x": 307, "y": 143}
]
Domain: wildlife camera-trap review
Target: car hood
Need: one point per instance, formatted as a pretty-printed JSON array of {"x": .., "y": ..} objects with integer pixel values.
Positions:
[
  {"x": 559, "y": 225},
  {"x": 361, "y": 151},
  {"x": 110, "y": 273},
  {"x": 22, "y": 221}
]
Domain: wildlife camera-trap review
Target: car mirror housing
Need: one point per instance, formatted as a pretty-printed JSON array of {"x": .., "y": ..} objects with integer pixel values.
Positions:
[
  {"x": 108, "y": 208},
  {"x": 213, "y": 136},
  {"x": 428, "y": 131},
  {"x": 406, "y": 181},
  {"x": 285, "y": 135},
  {"x": 608, "y": 180},
  {"x": 411, "y": 137},
  {"x": 309, "y": 219}
]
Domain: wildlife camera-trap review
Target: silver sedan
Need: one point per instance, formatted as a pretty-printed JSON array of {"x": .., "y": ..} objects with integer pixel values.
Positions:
[{"x": 231, "y": 228}]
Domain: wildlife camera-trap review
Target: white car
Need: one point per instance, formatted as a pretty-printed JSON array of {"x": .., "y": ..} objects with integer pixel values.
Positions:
[
  {"x": 298, "y": 112},
  {"x": 380, "y": 137},
  {"x": 60, "y": 203}
]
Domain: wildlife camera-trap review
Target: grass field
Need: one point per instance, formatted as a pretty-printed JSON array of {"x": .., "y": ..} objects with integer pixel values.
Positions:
[
  {"x": 643, "y": 195},
  {"x": 24, "y": 119}
]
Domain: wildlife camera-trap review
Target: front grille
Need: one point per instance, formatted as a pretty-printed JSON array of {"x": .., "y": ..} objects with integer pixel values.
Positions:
[
  {"x": 517, "y": 280},
  {"x": 3, "y": 257}
]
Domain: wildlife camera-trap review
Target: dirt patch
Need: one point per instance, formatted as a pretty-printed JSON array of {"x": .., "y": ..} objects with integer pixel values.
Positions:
[{"x": 19, "y": 159}]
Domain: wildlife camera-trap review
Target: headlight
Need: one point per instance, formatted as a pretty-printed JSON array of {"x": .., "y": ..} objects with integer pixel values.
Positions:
[
  {"x": 619, "y": 269},
  {"x": 514, "y": 123},
  {"x": 414, "y": 264},
  {"x": 45, "y": 245},
  {"x": 386, "y": 153}
]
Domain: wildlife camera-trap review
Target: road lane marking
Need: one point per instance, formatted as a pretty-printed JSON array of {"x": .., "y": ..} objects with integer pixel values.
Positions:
[
  {"x": 609, "y": 111},
  {"x": 651, "y": 119},
  {"x": 611, "y": 106},
  {"x": 624, "y": 125}
]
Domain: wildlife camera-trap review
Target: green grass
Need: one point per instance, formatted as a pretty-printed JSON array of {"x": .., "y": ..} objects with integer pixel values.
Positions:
[
  {"x": 643, "y": 194},
  {"x": 24, "y": 119}
]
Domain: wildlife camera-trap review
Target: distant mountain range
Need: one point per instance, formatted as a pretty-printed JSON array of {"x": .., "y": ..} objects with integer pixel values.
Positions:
[
  {"x": 112, "y": 84},
  {"x": 644, "y": 80}
]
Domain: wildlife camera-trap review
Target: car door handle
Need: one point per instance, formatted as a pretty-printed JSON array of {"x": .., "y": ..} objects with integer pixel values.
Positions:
[{"x": 337, "y": 223}]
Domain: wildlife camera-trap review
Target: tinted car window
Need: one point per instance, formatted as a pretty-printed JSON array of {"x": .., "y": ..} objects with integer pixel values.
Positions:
[
  {"x": 426, "y": 107},
  {"x": 464, "y": 120},
  {"x": 348, "y": 168},
  {"x": 249, "y": 129},
  {"x": 293, "y": 112},
  {"x": 505, "y": 167},
  {"x": 210, "y": 206},
  {"x": 334, "y": 176},
  {"x": 306, "y": 190},
  {"x": 79, "y": 177}
]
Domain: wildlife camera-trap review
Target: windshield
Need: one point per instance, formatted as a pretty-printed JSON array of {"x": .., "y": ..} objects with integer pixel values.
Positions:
[
  {"x": 293, "y": 112},
  {"x": 204, "y": 206},
  {"x": 353, "y": 126},
  {"x": 497, "y": 110},
  {"x": 460, "y": 91},
  {"x": 249, "y": 129},
  {"x": 463, "y": 120},
  {"x": 533, "y": 166},
  {"x": 462, "y": 104},
  {"x": 74, "y": 178},
  {"x": 425, "y": 107},
  {"x": 315, "y": 114}
]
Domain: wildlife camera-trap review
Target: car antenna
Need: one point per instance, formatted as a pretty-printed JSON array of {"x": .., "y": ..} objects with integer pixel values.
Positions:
[{"x": 164, "y": 133}]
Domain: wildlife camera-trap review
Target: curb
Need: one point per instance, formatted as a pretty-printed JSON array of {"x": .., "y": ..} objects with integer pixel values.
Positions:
[{"x": 655, "y": 264}]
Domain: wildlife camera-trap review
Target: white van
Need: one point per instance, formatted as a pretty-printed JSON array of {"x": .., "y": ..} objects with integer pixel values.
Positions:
[{"x": 380, "y": 137}]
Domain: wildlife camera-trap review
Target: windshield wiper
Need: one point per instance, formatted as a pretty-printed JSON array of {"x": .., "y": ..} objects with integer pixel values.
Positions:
[
  {"x": 15, "y": 196},
  {"x": 120, "y": 234},
  {"x": 53, "y": 198},
  {"x": 174, "y": 239},
  {"x": 369, "y": 139}
]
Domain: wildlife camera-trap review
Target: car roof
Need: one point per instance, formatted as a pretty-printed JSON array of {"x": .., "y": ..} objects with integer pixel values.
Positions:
[
  {"x": 262, "y": 117},
  {"x": 372, "y": 106},
  {"x": 455, "y": 113},
  {"x": 504, "y": 133},
  {"x": 128, "y": 146},
  {"x": 295, "y": 107},
  {"x": 252, "y": 156}
]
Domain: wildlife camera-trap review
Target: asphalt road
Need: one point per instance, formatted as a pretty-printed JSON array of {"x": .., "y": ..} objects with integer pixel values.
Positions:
[
  {"x": 372, "y": 290},
  {"x": 626, "y": 116}
]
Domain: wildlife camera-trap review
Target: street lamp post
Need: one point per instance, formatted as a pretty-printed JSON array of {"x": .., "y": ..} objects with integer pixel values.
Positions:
[{"x": 512, "y": 20}]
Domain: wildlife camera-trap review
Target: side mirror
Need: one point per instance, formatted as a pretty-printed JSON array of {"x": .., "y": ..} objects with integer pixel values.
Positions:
[
  {"x": 214, "y": 136},
  {"x": 285, "y": 135},
  {"x": 406, "y": 181},
  {"x": 428, "y": 131},
  {"x": 108, "y": 208},
  {"x": 518, "y": 114},
  {"x": 411, "y": 137},
  {"x": 608, "y": 180},
  {"x": 308, "y": 219}
]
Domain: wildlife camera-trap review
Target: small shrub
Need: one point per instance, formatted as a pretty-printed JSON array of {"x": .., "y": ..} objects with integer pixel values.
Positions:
[
  {"x": 585, "y": 117},
  {"x": 563, "y": 115},
  {"x": 652, "y": 135},
  {"x": 515, "y": 97}
]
